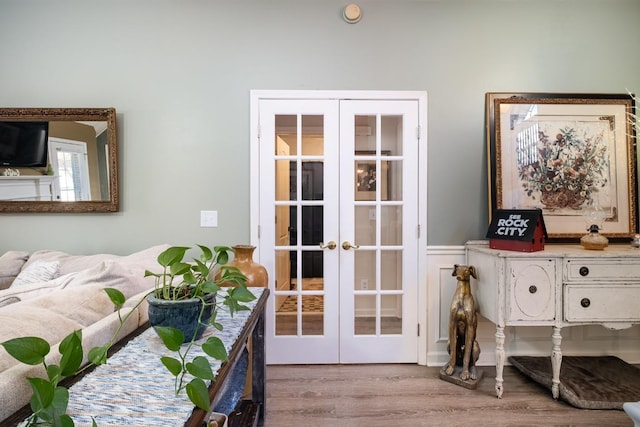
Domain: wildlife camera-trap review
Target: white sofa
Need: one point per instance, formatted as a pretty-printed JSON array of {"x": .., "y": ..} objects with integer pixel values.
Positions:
[{"x": 49, "y": 294}]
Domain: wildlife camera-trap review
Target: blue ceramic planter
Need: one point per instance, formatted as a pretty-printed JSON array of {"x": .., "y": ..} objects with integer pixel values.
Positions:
[{"x": 181, "y": 314}]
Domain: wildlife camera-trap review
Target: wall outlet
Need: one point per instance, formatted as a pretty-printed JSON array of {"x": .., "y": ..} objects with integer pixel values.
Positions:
[
  {"x": 208, "y": 218},
  {"x": 364, "y": 283}
]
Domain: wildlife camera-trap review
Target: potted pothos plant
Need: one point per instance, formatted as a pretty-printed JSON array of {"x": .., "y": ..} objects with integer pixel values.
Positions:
[
  {"x": 185, "y": 292},
  {"x": 178, "y": 281}
]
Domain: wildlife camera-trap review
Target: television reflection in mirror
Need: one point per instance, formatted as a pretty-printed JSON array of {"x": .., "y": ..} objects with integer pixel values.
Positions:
[{"x": 24, "y": 144}]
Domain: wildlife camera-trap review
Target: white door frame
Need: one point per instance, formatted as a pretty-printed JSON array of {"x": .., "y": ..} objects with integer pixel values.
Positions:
[{"x": 421, "y": 97}]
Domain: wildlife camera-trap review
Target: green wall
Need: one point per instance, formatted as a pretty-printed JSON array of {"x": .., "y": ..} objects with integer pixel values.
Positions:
[{"x": 179, "y": 74}]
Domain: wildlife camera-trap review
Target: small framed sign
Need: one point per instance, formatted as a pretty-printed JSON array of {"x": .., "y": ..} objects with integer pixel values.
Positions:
[{"x": 521, "y": 230}]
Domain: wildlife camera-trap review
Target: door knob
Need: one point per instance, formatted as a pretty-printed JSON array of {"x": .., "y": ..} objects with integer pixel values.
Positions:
[
  {"x": 346, "y": 245},
  {"x": 331, "y": 245}
]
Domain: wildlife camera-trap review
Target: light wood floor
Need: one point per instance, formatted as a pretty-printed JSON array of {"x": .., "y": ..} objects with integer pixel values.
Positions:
[{"x": 413, "y": 396}]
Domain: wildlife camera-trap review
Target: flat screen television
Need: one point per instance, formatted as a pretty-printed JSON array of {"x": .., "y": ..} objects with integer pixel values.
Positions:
[{"x": 24, "y": 144}]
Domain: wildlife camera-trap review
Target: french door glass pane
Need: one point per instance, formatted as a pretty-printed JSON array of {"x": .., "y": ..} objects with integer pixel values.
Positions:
[
  {"x": 365, "y": 313},
  {"x": 365, "y": 269},
  {"x": 391, "y": 131},
  {"x": 286, "y": 126},
  {"x": 391, "y": 225},
  {"x": 365, "y": 225},
  {"x": 312, "y": 135},
  {"x": 391, "y": 270},
  {"x": 311, "y": 180},
  {"x": 391, "y": 321},
  {"x": 393, "y": 179},
  {"x": 365, "y": 133}
]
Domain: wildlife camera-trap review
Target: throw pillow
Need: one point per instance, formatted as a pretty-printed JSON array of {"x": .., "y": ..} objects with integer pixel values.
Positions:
[
  {"x": 40, "y": 271},
  {"x": 11, "y": 262}
]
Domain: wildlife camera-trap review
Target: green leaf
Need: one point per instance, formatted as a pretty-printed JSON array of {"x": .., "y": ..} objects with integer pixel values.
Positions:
[
  {"x": 60, "y": 402},
  {"x": 28, "y": 350},
  {"x": 54, "y": 374},
  {"x": 116, "y": 297},
  {"x": 66, "y": 421},
  {"x": 200, "y": 267},
  {"x": 209, "y": 287},
  {"x": 55, "y": 413},
  {"x": 98, "y": 355},
  {"x": 207, "y": 254},
  {"x": 171, "y": 337},
  {"x": 43, "y": 392},
  {"x": 198, "y": 394},
  {"x": 189, "y": 278},
  {"x": 242, "y": 294},
  {"x": 200, "y": 368},
  {"x": 180, "y": 268},
  {"x": 214, "y": 347},
  {"x": 222, "y": 254},
  {"x": 235, "y": 296},
  {"x": 172, "y": 255},
  {"x": 172, "y": 364},
  {"x": 148, "y": 273},
  {"x": 71, "y": 349}
]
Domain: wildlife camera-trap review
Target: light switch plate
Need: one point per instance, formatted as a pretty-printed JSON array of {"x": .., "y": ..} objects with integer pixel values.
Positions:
[{"x": 208, "y": 218}]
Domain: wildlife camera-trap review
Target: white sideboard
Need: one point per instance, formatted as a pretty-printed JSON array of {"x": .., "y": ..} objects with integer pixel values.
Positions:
[
  {"x": 560, "y": 286},
  {"x": 26, "y": 187}
]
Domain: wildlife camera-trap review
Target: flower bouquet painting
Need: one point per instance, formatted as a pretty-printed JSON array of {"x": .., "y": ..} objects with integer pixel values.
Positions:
[{"x": 568, "y": 165}]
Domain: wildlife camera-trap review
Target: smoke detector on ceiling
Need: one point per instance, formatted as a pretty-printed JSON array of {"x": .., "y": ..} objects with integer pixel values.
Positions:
[{"x": 352, "y": 13}]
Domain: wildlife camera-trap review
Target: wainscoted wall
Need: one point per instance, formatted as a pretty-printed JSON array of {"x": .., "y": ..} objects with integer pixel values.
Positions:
[{"x": 532, "y": 341}]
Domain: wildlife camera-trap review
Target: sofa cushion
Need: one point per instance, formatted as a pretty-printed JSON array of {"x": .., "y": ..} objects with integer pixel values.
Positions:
[
  {"x": 23, "y": 320},
  {"x": 76, "y": 303},
  {"x": 70, "y": 263},
  {"x": 11, "y": 263},
  {"x": 129, "y": 279},
  {"x": 39, "y": 271},
  {"x": 21, "y": 293}
]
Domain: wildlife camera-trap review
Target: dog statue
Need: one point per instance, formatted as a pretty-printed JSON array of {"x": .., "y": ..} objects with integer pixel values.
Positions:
[{"x": 462, "y": 346}]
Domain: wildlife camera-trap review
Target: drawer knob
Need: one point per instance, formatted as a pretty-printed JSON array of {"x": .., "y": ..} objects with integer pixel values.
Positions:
[
  {"x": 585, "y": 302},
  {"x": 584, "y": 271},
  {"x": 533, "y": 289}
]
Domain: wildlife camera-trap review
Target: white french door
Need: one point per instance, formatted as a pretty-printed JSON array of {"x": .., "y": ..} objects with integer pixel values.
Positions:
[
  {"x": 69, "y": 162},
  {"x": 338, "y": 199}
]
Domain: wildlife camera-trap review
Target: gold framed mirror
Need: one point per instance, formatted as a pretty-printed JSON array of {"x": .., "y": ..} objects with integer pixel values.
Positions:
[{"x": 58, "y": 160}]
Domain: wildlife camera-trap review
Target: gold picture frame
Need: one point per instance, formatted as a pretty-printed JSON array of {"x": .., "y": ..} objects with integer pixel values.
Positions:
[{"x": 571, "y": 155}]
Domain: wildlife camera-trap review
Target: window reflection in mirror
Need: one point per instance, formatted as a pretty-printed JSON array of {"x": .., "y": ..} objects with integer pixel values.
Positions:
[{"x": 78, "y": 159}]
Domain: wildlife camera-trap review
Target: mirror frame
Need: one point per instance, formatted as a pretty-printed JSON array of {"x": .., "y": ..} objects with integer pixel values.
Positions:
[{"x": 69, "y": 114}]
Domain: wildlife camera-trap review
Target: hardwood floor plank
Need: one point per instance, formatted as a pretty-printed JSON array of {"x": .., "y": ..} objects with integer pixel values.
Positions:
[{"x": 413, "y": 396}]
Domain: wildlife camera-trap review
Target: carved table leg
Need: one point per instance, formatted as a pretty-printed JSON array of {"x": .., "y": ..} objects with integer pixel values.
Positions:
[
  {"x": 499, "y": 359},
  {"x": 556, "y": 361}
]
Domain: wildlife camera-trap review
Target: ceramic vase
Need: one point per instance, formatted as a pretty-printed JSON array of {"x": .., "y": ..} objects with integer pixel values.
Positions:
[
  {"x": 243, "y": 260},
  {"x": 181, "y": 314}
]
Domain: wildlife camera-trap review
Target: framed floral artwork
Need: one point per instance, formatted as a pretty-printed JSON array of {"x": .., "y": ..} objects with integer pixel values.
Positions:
[{"x": 571, "y": 155}]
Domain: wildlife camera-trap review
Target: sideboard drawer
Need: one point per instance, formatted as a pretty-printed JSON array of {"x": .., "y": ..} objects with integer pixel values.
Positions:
[
  {"x": 598, "y": 269},
  {"x": 601, "y": 303}
]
